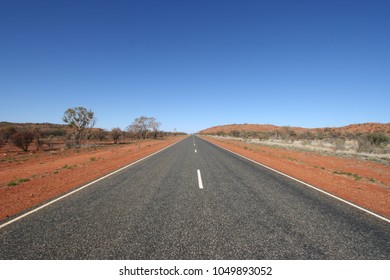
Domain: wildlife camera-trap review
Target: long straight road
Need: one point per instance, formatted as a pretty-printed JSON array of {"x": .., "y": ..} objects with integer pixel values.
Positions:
[{"x": 196, "y": 201}]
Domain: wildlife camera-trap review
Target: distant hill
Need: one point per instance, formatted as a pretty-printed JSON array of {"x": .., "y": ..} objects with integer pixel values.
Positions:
[
  {"x": 352, "y": 128},
  {"x": 32, "y": 126}
]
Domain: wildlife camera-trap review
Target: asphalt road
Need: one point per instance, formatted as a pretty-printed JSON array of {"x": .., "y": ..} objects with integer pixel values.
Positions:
[{"x": 155, "y": 209}]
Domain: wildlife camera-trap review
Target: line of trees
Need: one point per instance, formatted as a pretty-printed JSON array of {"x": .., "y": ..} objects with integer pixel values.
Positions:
[
  {"x": 79, "y": 126},
  {"x": 82, "y": 120}
]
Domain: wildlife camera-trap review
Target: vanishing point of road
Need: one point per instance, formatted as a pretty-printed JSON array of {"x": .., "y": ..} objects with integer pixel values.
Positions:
[{"x": 195, "y": 200}]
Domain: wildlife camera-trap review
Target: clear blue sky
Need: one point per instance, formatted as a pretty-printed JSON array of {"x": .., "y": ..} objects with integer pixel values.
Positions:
[{"x": 196, "y": 64}]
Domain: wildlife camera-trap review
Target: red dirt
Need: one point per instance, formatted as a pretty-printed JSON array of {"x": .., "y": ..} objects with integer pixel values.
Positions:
[
  {"x": 366, "y": 184},
  {"x": 51, "y": 174}
]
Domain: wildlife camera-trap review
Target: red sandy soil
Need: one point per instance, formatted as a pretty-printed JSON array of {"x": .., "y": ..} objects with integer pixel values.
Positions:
[
  {"x": 366, "y": 184},
  {"x": 50, "y": 174},
  {"x": 353, "y": 128}
]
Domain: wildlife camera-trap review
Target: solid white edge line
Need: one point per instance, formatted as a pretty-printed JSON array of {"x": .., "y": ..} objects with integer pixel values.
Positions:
[
  {"x": 83, "y": 187},
  {"x": 306, "y": 184},
  {"x": 200, "y": 179}
]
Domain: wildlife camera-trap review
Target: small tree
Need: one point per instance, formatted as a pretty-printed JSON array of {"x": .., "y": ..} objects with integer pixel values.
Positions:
[
  {"x": 79, "y": 119},
  {"x": 38, "y": 138},
  {"x": 100, "y": 134},
  {"x": 154, "y": 126},
  {"x": 23, "y": 139},
  {"x": 116, "y": 134},
  {"x": 7, "y": 133},
  {"x": 142, "y": 125},
  {"x": 133, "y": 132}
]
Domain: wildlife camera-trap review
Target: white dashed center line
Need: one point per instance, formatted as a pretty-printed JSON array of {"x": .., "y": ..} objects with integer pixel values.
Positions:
[{"x": 200, "y": 180}]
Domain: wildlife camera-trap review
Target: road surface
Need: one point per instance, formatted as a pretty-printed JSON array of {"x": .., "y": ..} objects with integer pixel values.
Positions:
[{"x": 195, "y": 200}]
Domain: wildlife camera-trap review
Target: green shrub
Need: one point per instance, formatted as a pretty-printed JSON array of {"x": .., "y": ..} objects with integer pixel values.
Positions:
[{"x": 17, "y": 182}]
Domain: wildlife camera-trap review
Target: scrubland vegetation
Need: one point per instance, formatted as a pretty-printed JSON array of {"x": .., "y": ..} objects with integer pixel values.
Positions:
[
  {"x": 77, "y": 131},
  {"x": 365, "y": 140}
]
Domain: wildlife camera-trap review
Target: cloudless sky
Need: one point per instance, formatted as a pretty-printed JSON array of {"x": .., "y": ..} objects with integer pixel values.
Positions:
[{"x": 196, "y": 64}]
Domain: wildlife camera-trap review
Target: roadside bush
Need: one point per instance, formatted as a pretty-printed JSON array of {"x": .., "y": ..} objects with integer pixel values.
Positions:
[
  {"x": 53, "y": 132},
  {"x": 7, "y": 133},
  {"x": 287, "y": 134},
  {"x": 243, "y": 134},
  {"x": 70, "y": 143},
  {"x": 251, "y": 134},
  {"x": 235, "y": 133},
  {"x": 23, "y": 139},
  {"x": 50, "y": 142},
  {"x": 373, "y": 142},
  {"x": 38, "y": 138},
  {"x": 320, "y": 135},
  {"x": 264, "y": 135},
  {"x": 116, "y": 134},
  {"x": 376, "y": 139},
  {"x": 100, "y": 134},
  {"x": 307, "y": 135}
]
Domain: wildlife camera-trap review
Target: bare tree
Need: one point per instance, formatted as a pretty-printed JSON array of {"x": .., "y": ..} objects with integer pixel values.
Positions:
[
  {"x": 79, "y": 119},
  {"x": 133, "y": 132}
]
